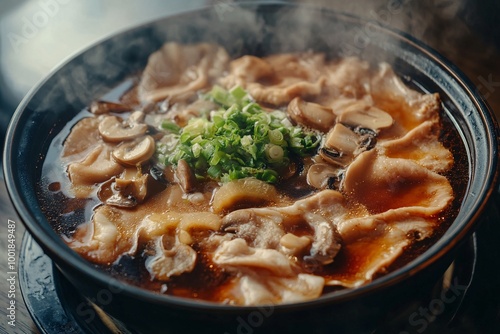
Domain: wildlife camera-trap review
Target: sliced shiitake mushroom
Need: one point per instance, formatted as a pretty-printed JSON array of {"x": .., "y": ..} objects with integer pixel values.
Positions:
[
  {"x": 186, "y": 177},
  {"x": 104, "y": 107},
  {"x": 158, "y": 174},
  {"x": 340, "y": 145},
  {"x": 342, "y": 139},
  {"x": 367, "y": 139},
  {"x": 136, "y": 117},
  {"x": 366, "y": 116},
  {"x": 311, "y": 114},
  {"x": 135, "y": 152},
  {"x": 113, "y": 129},
  {"x": 322, "y": 176},
  {"x": 129, "y": 189}
]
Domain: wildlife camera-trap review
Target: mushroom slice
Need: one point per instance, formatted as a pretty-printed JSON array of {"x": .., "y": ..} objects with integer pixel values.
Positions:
[
  {"x": 367, "y": 139},
  {"x": 159, "y": 174},
  {"x": 136, "y": 117},
  {"x": 340, "y": 145},
  {"x": 121, "y": 201},
  {"x": 112, "y": 129},
  {"x": 186, "y": 177},
  {"x": 129, "y": 189},
  {"x": 136, "y": 152},
  {"x": 104, "y": 107},
  {"x": 366, "y": 116},
  {"x": 129, "y": 192},
  {"x": 323, "y": 176},
  {"x": 311, "y": 114},
  {"x": 342, "y": 139}
]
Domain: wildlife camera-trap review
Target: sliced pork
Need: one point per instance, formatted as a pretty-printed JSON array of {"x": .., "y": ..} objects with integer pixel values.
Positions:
[{"x": 372, "y": 186}]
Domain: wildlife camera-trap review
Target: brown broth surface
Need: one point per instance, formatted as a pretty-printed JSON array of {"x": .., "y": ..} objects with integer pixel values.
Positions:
[{"x": 207, "y": 281}]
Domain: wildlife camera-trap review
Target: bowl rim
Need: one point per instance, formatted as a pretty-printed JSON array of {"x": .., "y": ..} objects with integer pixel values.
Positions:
[{"x": 62, "y": 254}]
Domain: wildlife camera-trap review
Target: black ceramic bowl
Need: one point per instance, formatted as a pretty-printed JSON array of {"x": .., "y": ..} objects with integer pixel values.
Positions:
[{"x": 256, "y": 29}]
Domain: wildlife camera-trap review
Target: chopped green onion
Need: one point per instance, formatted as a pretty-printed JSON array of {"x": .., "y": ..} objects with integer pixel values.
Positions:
[
  {"x": 171, "y": 127},
  {"x": 276, "y": 137},
  {"x": 238, "y": 93},
  {"x": 274, "y": 153},
  {"x": 238, "y": 140}
]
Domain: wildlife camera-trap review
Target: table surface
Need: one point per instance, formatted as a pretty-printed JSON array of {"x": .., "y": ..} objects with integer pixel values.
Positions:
[{"x": 478, "y": 59}]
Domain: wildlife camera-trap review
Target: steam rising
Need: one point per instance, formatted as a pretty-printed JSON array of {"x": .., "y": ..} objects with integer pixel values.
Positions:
[{"x": 252, "y": 29}]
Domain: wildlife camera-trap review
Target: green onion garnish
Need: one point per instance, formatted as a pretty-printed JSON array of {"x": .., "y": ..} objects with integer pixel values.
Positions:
[{"x": 238, "y": 140}]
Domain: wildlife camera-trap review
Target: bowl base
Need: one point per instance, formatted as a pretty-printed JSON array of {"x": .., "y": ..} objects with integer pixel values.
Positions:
[{"x": 454, "y": 304}]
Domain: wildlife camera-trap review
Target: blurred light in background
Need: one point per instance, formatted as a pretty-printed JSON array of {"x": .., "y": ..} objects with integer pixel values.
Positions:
[{"x": 37, "y": 35}]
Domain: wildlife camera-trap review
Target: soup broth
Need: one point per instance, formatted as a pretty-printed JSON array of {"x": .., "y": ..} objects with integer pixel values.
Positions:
[{"x": 254, "y": 180}]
